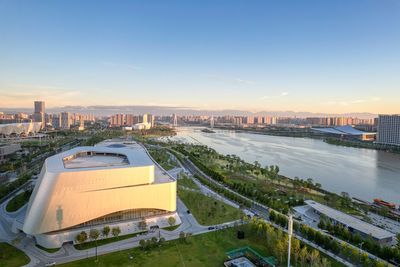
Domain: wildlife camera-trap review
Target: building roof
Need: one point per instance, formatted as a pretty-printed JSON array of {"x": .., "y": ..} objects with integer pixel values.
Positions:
[
  {"x": 346, "y": 130},
  {"x": 20, "y": 128},
  {"x": 350, "y": 221},
  {"x": 239, "y": 262},
  {"x": 106, "y": 155},
  {"x": 349, "y": 130}
]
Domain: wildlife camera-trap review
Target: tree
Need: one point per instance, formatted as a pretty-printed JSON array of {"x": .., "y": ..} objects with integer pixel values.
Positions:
[
  {"x": 188, "y": 237},
  {"x": 94, "y": 234},
  {"x": 321, "y": 224},
  {"x": 280, "y": 250},
  {"x": 142, "y": 224},
  {"x": 116, "y": 231},
  {"x": 296, "y": 249},
  {"x": 346, "y": 250},
  {"x": 335, "y": 247},
  {"x": 81, "y": 238},
  {"x": 106, "y": 231},
  {"x": 182, "y": 235},
  {"x": 383, "y": 211},
  {"x": 303, "y": 256},
  {"x": 398, "y": 240},
  {"x": 161, "y": 241},
  {"x": 171, "y": 220},
  {"x": 153, "y": 241},
  {"x": 314, "y": 257},
  {"x": 325, "y": 263},
  {"x": 16, "y": 241},
  {"x": 142, "y": 244},
  {"x": 355, "y": 255}
]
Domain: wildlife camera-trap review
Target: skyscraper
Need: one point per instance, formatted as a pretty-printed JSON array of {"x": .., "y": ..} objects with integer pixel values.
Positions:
[
  {"x": 39, "y": 111},
  {"x": 117, "y": 120},
  {"x": 145, "y": 118},
  {"x": 175, "y": 120},
  {"x": 39, "y": 107},
  {"x": 65, "y": 120},
  {"x": 388, "y": 130}
]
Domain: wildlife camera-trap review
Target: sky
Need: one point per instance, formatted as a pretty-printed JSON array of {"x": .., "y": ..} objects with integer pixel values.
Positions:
[{"x": 316, "y": 56}]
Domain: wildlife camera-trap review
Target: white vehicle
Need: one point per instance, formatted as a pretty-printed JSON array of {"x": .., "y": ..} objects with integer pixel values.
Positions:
[{"x": 50, "y": 264}]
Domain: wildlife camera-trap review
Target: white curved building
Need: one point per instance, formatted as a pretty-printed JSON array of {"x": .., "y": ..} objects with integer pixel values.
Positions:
[
  {"x": 114, "y": 183},
  {"x": 25, "y": 128}
]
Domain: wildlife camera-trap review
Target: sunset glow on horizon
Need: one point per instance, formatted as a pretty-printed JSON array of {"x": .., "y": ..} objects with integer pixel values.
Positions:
[{"x": 313, "y": 56}]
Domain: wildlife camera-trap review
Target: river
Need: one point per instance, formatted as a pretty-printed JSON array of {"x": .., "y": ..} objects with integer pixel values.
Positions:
[{"x": 363, "y": 173}]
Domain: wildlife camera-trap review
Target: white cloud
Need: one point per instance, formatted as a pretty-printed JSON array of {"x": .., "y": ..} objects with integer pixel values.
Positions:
[
  {"x": 274, "y": 96},
  {"x": 353, "y": 102}
]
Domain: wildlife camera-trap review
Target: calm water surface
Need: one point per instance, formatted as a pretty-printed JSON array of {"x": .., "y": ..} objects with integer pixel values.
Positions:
[{"x": 363, "y": 173}]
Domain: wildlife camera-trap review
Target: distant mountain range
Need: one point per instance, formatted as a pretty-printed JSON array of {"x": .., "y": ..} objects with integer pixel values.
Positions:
[{"x": 162, "y": 110}]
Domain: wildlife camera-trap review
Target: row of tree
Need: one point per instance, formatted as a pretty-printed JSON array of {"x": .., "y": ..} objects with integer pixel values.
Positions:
[
  {"x": 368, "y": 244},
  {"x": 226, "y": 193},
  {"x": 195, "y": 160},
  {"x": 276, "y": 241},
  {"x": 94, "y": 234},
  {"x": 343, "y": 249},
  {"x": 151, "y": 243}
]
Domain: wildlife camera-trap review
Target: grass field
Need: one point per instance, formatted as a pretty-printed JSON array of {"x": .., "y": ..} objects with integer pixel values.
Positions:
[
  {"x": 188, "y": 182},
  {"x": 11, "y": 256},
  {"x": 49, "y": 250},
  {"x": 202, "y": 250},
  {"x": 207, "y": 210},
  {"x": 171, "y": 228},
  {"x": 18, "y": 201}
]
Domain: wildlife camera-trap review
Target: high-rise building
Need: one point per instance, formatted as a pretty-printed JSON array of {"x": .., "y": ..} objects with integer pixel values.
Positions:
[
  {"x": 250, "y": 119},
  {"x": 145, "y": 118},
  {"x": 39, "y": 107},
  {"x": 65, "y": 120},
  {"x": 150, "y": 119},
  {"x": 56, "y": 121},
  {"x": 117, "y": 120},
  {"x": 212, "y": 122},
  {"x": 388, "y": 130},
  {"x": 175, "y": 120},
  {"x": 130, "y": 119},
  {"x": 39, "y": 111}
]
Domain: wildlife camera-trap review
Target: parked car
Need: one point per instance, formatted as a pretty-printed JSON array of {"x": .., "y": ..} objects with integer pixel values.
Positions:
[
  {"x": 53, "y": 263},
  {"x": 188, "y": 212}
]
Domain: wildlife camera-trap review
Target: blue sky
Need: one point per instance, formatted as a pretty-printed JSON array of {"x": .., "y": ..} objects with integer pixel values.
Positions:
[{"x": 319, "y": 56}]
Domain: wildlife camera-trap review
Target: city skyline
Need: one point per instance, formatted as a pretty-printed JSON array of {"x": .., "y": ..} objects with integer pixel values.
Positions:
[{"x": 324, "y": 57}]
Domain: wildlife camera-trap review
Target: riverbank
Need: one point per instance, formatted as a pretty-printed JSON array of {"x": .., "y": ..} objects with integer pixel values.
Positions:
[
  {"x": 361, "y": 144},
  {"x": 363, "y": 173}
]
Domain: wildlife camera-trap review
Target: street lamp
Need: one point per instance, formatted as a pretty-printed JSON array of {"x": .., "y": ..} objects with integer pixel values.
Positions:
[{"x": 290, "y": 232}]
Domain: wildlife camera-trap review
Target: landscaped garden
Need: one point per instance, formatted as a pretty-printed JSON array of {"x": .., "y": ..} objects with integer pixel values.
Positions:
[
  {"x": 187, "y": 182},
  {"x": 209, "y": 250},
  {"x": 208, "y": 210},
  {"x": 18, "y": 201}
]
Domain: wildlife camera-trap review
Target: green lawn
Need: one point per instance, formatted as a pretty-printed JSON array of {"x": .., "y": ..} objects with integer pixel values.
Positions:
[
  {"x": 188, "y": 182},
  {"x": 49, "y": 250},
  {"x": 171, "y": 228},
  {"x": 92, "y": 244},
  {"x": 207, "y": 210},
  {"x": 18, "y": 201},
  {"x": 202, "y": 250},
  {"x": 163, "y": 158},
  {"x": 11, "y": 256}
]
